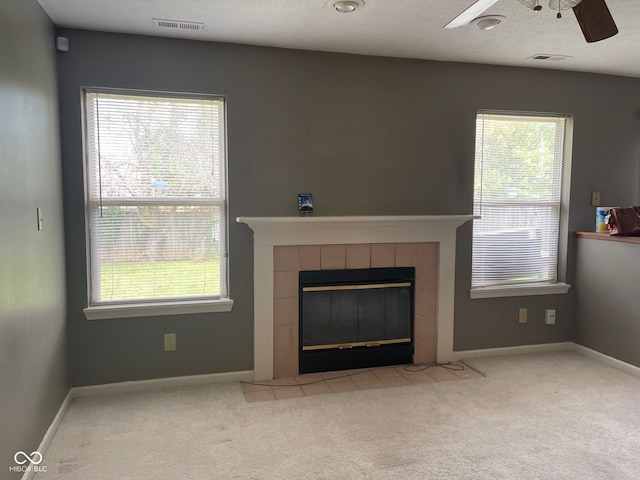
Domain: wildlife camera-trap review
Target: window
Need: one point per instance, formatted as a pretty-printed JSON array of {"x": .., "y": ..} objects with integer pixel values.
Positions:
[
  {"x": 155, "y": 197},
  {"x": 518, "y": 194}
]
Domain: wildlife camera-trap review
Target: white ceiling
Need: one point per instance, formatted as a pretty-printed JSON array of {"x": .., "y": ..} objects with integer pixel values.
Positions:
[{"x": 395, "y": 28}]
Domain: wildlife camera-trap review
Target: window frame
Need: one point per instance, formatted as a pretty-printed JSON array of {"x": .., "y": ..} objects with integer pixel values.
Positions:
[
  {"x": 539, "y": 288},
  {"x": 151, "y": 307}
]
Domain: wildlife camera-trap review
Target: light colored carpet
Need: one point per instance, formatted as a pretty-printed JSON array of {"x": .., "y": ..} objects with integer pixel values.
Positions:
[{"x": 541, "y": 416}]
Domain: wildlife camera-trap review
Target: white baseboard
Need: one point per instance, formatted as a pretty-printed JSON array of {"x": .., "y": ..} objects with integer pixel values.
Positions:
[
  {"x": 51, "y": 431},
  {"x": 550, "y": 347},
  {"x": 607, "y": 360},
  {"x": 490, "y": 352},
  {"x": 134, "y": 386},
  {"x": 248, "y": 375},
  {"x": 158, "y": 383}
]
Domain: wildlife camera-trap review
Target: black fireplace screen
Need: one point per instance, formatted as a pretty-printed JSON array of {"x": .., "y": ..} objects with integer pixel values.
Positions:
[{"x": 355, "y": 318}]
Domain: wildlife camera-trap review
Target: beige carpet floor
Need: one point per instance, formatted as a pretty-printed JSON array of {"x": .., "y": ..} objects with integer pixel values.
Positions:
[{"x": 540, "y": 416}]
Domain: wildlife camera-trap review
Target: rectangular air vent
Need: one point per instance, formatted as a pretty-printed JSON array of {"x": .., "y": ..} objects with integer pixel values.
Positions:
[
  {"x": 178, "y": 24},
  {"x": 549, "y": 57}
]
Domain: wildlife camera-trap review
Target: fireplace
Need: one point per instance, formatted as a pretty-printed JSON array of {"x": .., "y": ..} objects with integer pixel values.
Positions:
[
  {"x": 275, "y": 312},
  {"x": 355, "y": 318}
]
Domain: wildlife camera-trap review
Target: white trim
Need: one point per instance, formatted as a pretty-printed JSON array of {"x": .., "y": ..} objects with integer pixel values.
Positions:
[
  {"x": 551, "y": 347},
  {"x": 521, "y": 349},
  {"x": 51, "y": 431},
  {"x": 130, "y": 310},
  {"x": 272, "y": 231},
  {"x": 372, "y": 219},
  {"x": 129, "y": 387},
  {"x": 607, "y": 360},
  {"x": 89, "y": 109},
  {"x": 523, "y": 290},
  {"x": 248, "y": 375},
  {"x": 159, "y": 383}
]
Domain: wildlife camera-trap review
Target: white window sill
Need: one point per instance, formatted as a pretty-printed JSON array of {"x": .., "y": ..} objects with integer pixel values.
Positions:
[
  {"x": 104, "y": 312},
  {"x": 524, "y": 290}
]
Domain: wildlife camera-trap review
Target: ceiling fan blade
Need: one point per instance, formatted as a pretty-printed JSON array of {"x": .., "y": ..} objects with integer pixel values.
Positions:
[
  {"x": 470, "y": 14},
  {"x": 595, "y": 20}
]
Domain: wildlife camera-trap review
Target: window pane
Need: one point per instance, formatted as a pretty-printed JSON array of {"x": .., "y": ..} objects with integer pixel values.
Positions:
[
  {"x": 517, "y": 193},
  {"x": 155, "y": 147},
  {"x": 518, "y": 158},
  {"x": 156, "y": 197},
  {"x": 156, "y": 252},
  {"x": 515, "y": 244}
]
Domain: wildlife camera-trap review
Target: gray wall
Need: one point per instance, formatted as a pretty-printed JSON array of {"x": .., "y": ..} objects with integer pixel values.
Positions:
[
  {"x": 607, "y": 277},
  {"x": 365, "y": 135},
  {"x": 33, "y": 379}
]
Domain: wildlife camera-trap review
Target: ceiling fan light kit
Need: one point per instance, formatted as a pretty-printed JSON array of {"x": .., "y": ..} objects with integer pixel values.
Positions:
[
  {"x": 555, "y": 5},
  {"x": 532, "y": 4},
  {"x": 563, "y": 4},
  {"x": 593, "y": 16}
]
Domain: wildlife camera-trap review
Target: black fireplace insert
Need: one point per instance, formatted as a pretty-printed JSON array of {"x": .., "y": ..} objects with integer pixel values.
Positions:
[{"x": 356, "y": 318}]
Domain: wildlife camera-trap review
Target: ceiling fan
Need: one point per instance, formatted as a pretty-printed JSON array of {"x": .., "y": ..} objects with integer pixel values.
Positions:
[{"x": 593, "y": 16}]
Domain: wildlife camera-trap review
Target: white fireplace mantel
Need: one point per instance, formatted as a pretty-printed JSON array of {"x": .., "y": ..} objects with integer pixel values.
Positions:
[{"x": 274, "y": 231}]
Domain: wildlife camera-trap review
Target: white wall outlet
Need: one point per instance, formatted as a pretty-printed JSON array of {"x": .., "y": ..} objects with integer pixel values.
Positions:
[
  {"x": 169, "y": 342},
  {"x": 522, "y": 315},
  {"x": 550, "y": 316},
  {"x": 595, "y": 199}
]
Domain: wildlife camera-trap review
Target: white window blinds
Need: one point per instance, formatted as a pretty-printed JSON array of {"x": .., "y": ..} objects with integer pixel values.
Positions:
[
  {"x": 517, "y": 192},
  {"x": 155, "y": 178}
]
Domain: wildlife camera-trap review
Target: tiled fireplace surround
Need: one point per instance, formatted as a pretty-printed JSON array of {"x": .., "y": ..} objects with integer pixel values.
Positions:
[
  {"x": 283, "y": 246},
  {"x": 288, "y": 261}
]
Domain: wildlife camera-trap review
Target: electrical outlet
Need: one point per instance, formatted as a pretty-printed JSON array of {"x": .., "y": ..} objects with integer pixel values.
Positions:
[
  {"x": 550, "y": 316},
  {"x": 522, "y": 315},
  {"x": 169, "y": 342},
  {"x": 595, "y": 199}
]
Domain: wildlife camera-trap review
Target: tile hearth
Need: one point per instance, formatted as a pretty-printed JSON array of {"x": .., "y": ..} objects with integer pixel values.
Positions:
[{"x": 349, "y": 380}]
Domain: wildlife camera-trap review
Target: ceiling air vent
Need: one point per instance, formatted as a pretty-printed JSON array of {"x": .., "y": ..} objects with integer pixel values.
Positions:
[
  {"x": 549, "y": 58},
  {"x": 178, "y": 24}
]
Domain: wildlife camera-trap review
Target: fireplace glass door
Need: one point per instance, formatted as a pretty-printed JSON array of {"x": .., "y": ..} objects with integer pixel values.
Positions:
[{"x": 355, "y": 318}]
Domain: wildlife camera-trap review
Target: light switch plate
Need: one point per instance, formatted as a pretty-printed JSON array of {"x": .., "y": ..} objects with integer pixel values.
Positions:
[
  {"x": 522, "y": 315},
  {"x": 40, "y": 218}
]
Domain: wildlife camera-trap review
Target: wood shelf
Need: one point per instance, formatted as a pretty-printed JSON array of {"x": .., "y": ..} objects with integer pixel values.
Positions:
[{"x": 607, "y": 237}]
